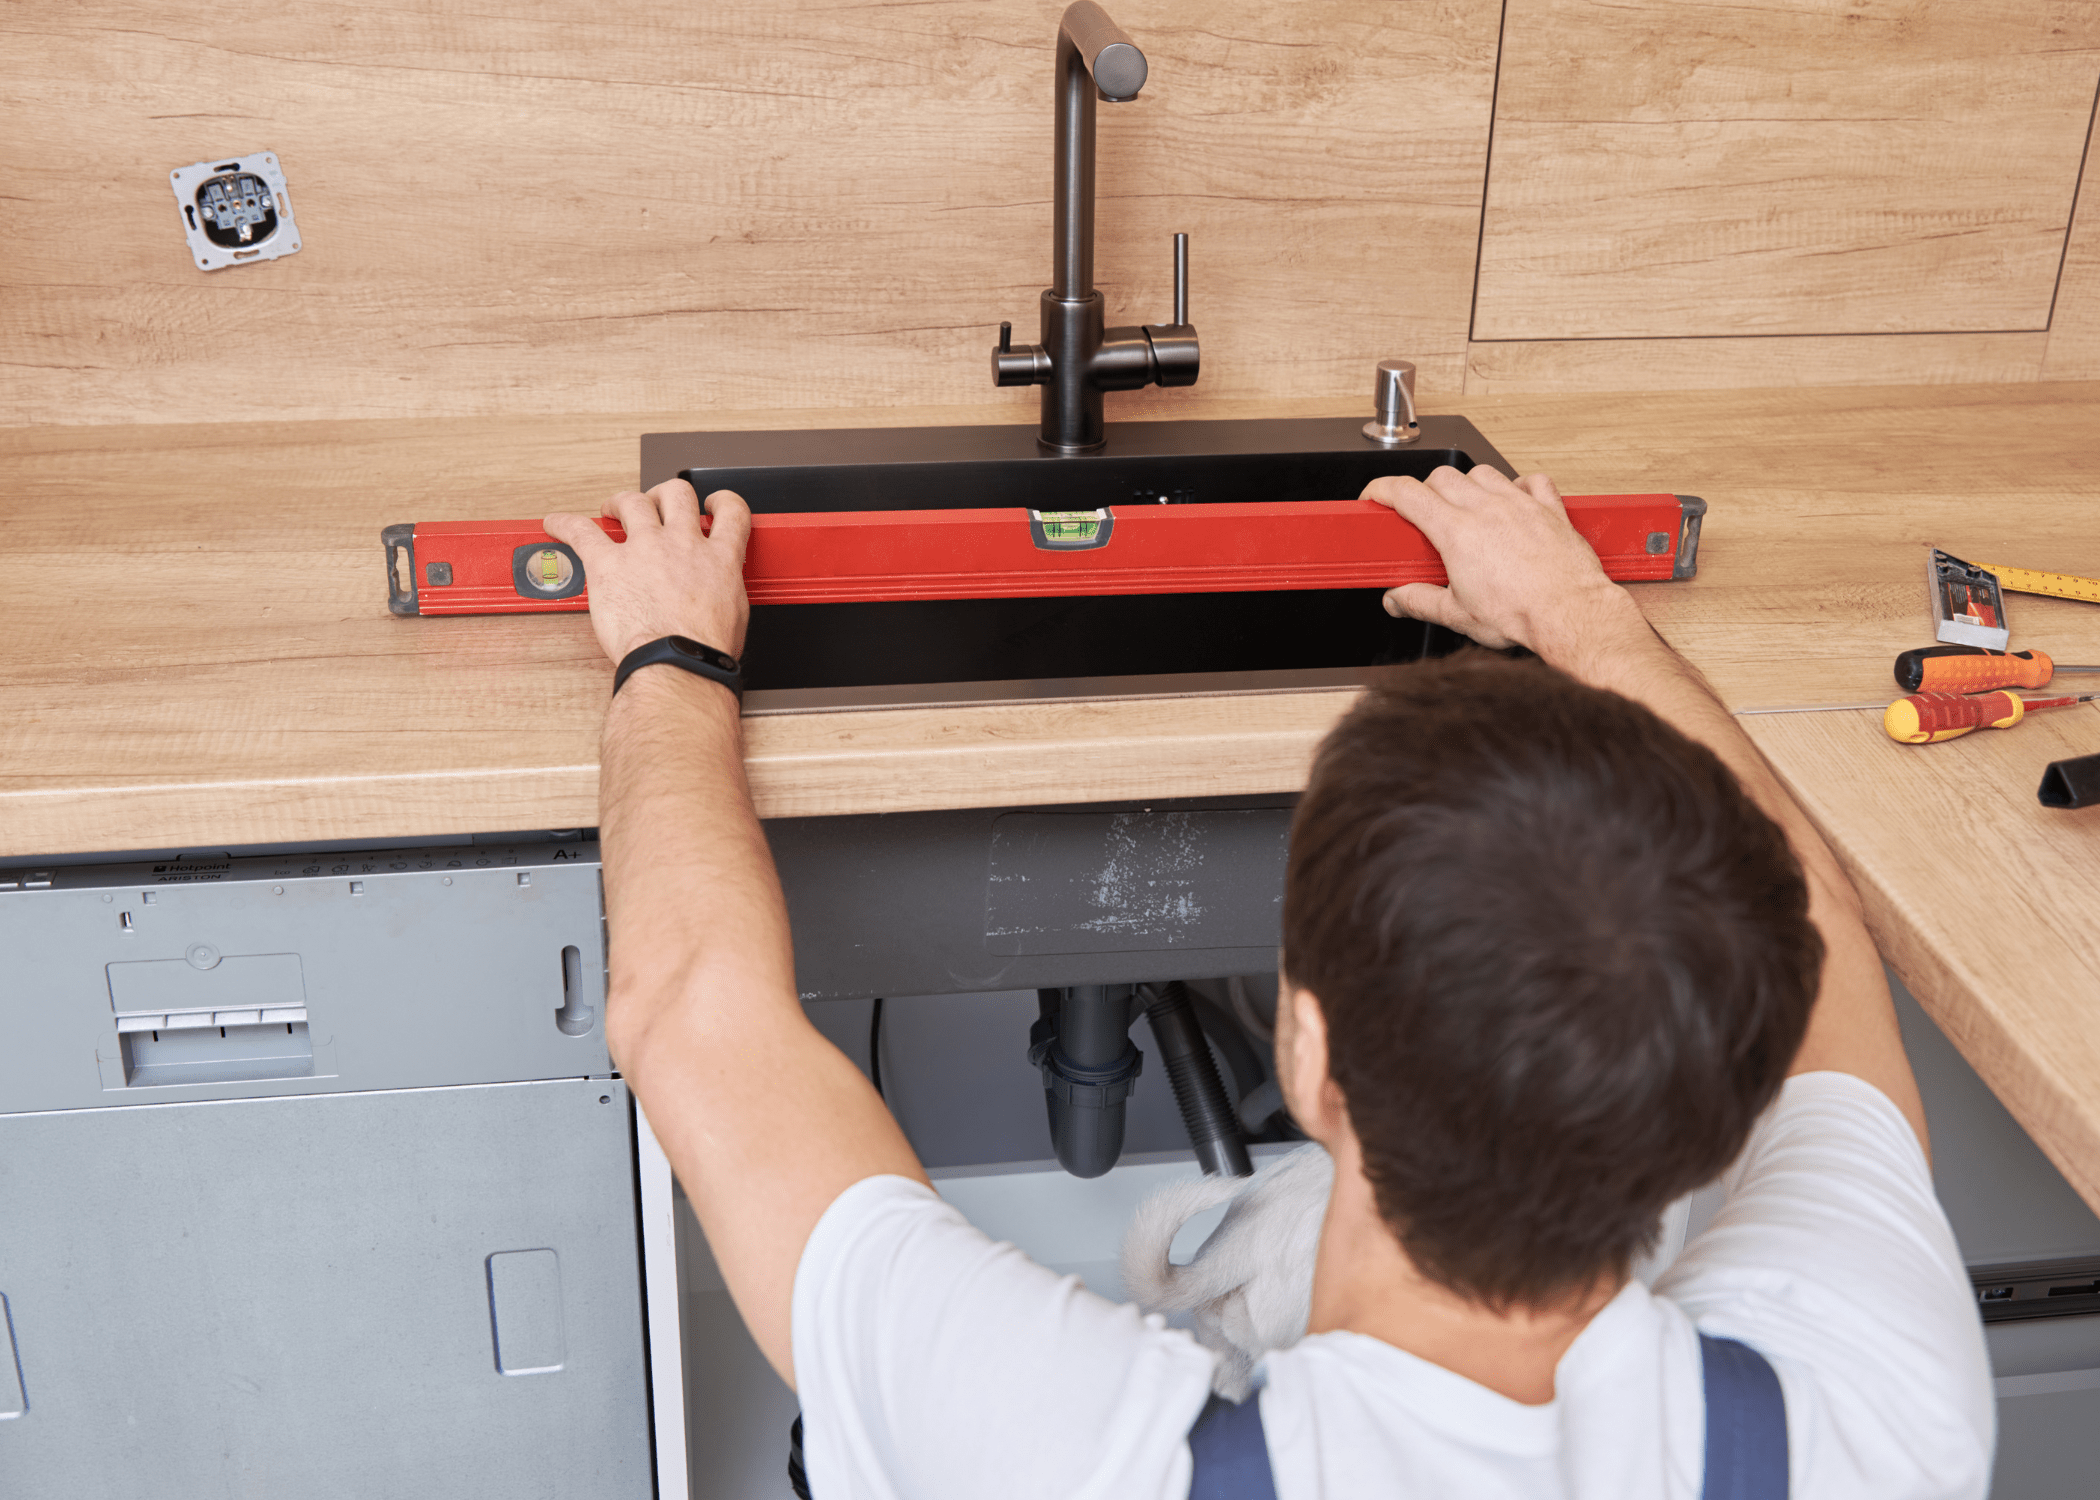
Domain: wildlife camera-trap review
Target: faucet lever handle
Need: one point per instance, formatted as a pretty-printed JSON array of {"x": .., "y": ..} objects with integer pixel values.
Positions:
[
  {"x": 1181, "y": 280},
  {"x": 1175, "y": 358},
  {"x": 1027, "y": 365}
]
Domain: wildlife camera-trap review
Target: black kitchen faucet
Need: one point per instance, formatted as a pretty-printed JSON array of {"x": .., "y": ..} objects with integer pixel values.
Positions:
[{"x": 1078, "y": 358}]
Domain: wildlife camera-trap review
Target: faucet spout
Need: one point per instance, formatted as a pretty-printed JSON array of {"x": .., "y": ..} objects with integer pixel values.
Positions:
[
  {"x": 1079, "y": 358},
  {"x": 1093, "y": 55}
]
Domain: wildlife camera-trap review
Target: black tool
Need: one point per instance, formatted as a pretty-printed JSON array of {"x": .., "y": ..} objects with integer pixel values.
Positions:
[{"x": 2071, "y": 783}]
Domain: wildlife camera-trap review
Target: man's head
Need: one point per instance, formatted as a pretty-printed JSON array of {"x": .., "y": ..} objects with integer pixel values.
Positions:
[{"x": 1561, "y": 960}]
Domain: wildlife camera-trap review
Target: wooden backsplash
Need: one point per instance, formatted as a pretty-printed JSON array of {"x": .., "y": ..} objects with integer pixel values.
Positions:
[
  {"x": 629, "y": 205},
  {"x": 1762, "y": 193}
]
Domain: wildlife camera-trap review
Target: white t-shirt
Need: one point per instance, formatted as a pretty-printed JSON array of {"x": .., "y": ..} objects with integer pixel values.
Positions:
[{"x": 934, "y": 1364}]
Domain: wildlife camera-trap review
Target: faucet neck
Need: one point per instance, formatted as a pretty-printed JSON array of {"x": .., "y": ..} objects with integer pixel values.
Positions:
[
  {"x": 1072, "y": 271},
  {"x": 1078, "y": 358}
]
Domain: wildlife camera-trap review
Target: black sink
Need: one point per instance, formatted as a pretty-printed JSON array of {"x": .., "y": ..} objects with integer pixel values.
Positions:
[{"x": 833, "y": 656}]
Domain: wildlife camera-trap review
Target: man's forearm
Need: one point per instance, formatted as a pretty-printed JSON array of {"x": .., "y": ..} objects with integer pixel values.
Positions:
[
  {"x": 687, "y": 871},
  {"x": 764, "y": 1121},
  {"x": 1609, "y": 644}
]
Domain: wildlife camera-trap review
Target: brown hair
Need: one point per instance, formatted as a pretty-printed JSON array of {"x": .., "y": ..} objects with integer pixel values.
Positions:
[{"x": 1563, "y": 959}]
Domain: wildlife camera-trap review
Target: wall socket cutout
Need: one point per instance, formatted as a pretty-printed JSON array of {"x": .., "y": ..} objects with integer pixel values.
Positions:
[{"x": 235, "y": 209}]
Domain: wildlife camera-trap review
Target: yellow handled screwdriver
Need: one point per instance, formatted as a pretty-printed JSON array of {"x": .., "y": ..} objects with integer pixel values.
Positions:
[
  {"x": 1972, "y": 669},
  {"x": 1928, "y": 718}
]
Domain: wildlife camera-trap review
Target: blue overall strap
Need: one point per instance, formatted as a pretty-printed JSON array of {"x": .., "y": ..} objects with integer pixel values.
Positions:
[
  {"x": 1231, "y": 1452},
  {"x": 1746, "y": 1449},
  {"x": 1746, "y": 1456}
]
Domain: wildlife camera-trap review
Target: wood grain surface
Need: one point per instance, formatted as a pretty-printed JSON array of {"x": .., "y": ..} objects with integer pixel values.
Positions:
[
  {"x": 1822, "y": 506},
  {"x": 1700, "y": 364},
  {"x": 2074, "y": 327},
  {"x": 637, "y": 205},
  {"x": 1782, "y": 167}
]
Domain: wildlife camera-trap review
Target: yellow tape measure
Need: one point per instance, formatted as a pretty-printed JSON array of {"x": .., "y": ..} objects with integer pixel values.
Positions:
[{"x": 2058, "y": 585}]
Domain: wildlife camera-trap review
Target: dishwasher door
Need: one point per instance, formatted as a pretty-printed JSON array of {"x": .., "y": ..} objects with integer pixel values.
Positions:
[{"x": 417, "y": 1292}]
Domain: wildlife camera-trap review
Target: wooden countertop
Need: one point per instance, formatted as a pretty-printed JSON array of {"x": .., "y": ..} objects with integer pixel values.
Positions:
[
  {"x": 210, "y": 658},
  {"x": 202, "y": 657}
]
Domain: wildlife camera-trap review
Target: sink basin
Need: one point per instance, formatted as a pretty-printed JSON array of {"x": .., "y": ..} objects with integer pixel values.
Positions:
[{"x": 806, "y": 657}]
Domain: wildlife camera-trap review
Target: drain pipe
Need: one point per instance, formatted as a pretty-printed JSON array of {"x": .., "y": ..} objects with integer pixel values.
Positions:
[
  {"x": 1213, "y": 1125},
  {"x": 1082, "y": 1044}
]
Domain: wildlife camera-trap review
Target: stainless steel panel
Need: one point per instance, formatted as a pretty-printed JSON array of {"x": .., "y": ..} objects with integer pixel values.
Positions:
[
  {"x": 399, "y": 969},
  {"x": 291, "y": 1297}
]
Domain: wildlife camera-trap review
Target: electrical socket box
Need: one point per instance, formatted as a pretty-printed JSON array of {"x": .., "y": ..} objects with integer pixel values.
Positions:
[{"x": 235, "y": 209}]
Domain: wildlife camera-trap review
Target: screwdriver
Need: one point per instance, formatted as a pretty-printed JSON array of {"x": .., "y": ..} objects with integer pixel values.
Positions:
[
  {"x": 1928, "y": 718},
  {"x": 1972, "y": 669}
]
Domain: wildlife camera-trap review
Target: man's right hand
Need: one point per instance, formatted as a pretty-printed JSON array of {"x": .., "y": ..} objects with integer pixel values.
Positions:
[
  {"x": 1520, "y": 574},
  {"x": 678, "y": 573}
]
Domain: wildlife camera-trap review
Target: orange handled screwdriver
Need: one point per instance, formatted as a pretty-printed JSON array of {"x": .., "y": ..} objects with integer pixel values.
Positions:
[
  {"x": 1971, "y": 669},
  {"x": 1928, "y": 718}
]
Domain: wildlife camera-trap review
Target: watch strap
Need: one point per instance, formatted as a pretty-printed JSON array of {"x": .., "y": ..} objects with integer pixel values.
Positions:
[{"x": 686, "y": 654}]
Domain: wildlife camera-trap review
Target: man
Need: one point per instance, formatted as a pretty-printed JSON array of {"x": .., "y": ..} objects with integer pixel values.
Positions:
[{"x": 1548, "y": 960}]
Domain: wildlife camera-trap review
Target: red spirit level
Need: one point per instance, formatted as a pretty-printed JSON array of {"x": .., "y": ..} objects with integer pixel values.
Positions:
[{"x": 816, "y": 557}]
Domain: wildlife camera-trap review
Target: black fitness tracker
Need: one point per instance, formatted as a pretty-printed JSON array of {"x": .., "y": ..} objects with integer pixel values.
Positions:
[{"x": 687, "y": 654}]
